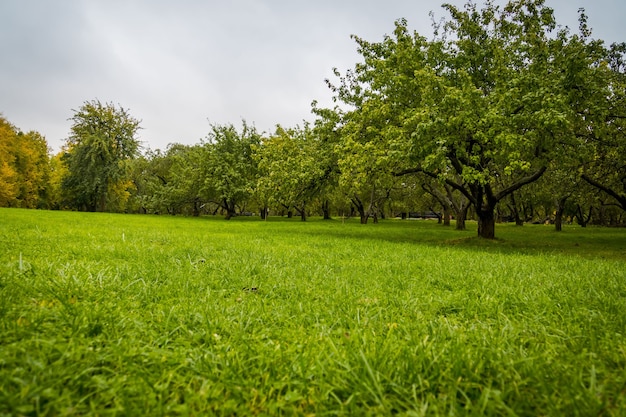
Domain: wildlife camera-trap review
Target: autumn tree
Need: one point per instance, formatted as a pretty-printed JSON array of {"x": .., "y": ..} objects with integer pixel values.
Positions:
[
  {"x": 8, "y": 177},
  {"x": 24, "y": 168},
  {"x": 102, "y": 139}
]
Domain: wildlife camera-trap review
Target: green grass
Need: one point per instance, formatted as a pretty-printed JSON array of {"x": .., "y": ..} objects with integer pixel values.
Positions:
[{"x": 141, "y": 315}]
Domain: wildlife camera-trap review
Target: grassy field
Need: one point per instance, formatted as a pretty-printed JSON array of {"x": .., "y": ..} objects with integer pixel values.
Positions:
[{"x": 109, "y": 314}]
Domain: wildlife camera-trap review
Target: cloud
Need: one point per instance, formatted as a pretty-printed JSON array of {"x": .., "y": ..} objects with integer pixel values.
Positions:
[{"x": 179, "y": 66}]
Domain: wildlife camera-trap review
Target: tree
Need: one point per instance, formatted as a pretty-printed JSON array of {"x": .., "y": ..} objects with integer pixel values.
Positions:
[
  {"x": 605, "y": 168},
  {"x": 8, "y": 177},
  {"x": 481, "y": 105},
  {"x": 101, "y": 141},
  {"x": 231, "y": 171},
  {"x": 291, "y": 168},
  {"x": 58, "y": 171},
  {"x": 24, "y": 168}
]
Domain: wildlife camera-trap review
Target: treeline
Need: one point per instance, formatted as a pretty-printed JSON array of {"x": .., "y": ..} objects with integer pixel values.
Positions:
[{"x": 500, "y": 115}]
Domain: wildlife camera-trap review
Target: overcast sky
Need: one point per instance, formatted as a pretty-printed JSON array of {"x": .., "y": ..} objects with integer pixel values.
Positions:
[{"x": 179, "y": 66}]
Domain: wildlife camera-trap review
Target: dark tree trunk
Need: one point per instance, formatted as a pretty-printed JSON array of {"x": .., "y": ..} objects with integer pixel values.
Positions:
[
  {"x": 446, "y": 215},
  {"x": 229, "y": 206},
  {"x": 558, "y": 215},
  {"x": 486, "y": 223},
  {"x": 263, "y": 213},
  {"x": 460, "y": 219},
  {"x": 289, "y": 214},
  {"x": 582, "y": 219},
  {"x": 558, "y": 220},
  {"x": 196, "y": 209},
  {"x": 358, "y": 204},
  {"x": 302, "y": 212},
  {"x": 326, "y": 209}
]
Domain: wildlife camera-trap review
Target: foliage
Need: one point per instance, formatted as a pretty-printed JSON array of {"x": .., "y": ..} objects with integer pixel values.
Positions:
[
  {"x": 24, "y": 168},
  {"x": 172, "y": 182},
  {"x": 118, "y": 314},
  {"x": 292, "y": 169},
  {"x": 482, "y": 105},
  {"x": 102, "y": 140},
  {"x": 606, "y": 168},
  {"x": 230, "y": 166}
]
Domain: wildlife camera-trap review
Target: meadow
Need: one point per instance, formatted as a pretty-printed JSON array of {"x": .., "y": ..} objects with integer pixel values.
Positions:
[{"x": 110, "y": 314}]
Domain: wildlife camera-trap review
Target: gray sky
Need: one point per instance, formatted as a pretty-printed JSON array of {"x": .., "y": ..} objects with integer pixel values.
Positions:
[{"x": 180, "y": 65}]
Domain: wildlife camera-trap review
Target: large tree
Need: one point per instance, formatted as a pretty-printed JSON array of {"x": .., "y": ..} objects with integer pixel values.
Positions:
[
  {"x": 101, "y": 140},
  {"x": 479, "y": 106}
]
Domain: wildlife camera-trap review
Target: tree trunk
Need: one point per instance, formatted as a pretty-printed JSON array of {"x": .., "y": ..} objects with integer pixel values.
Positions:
[
  {"x": 486, "y": 223},
  {"x": 461, "y": 215},
  {"x": 558, "y": 220},
  {"x": 263, "y": 213},
  {"x": 358, "y": 204},
  {"x": 580, "y": 216},
  {"x": 558, "y": 215},
  {"x": 196, "y": 209},
  {"x": 446, "y": 215},
  {"x": 229, "y": 206},
  {"x": 303, "y": 213},
  {"x": 326, "y": 209}
]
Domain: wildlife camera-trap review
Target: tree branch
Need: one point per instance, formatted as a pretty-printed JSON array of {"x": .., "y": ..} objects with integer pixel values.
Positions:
[
  {"x": 526, "y": 180},
  {"x": 620, "y": 199}
]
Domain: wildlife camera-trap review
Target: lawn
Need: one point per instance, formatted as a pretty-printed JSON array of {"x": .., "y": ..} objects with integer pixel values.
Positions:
[{"x": 110, "y": 314}]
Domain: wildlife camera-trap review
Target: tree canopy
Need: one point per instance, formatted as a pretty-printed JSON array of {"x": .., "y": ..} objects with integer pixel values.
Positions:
[
  {"x": 102, "y": 139},
  {"x": 483, "y": 106}
]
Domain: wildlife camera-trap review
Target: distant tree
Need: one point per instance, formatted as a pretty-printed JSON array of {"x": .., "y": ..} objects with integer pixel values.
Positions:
[
  {"x": 33, "y": 167},
  {"x": 187, "y": 177},
  {"x": 231, "y": 171},
  {"x": 101, "y": 141},
  {"x": 9, "y": 187},
  {"x": 291, "y": 168},
  {"x": 24, "y": 168}
]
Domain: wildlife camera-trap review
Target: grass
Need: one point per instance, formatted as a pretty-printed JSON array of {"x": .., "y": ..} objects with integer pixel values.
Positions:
[{"x": 110, "y": 314}]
